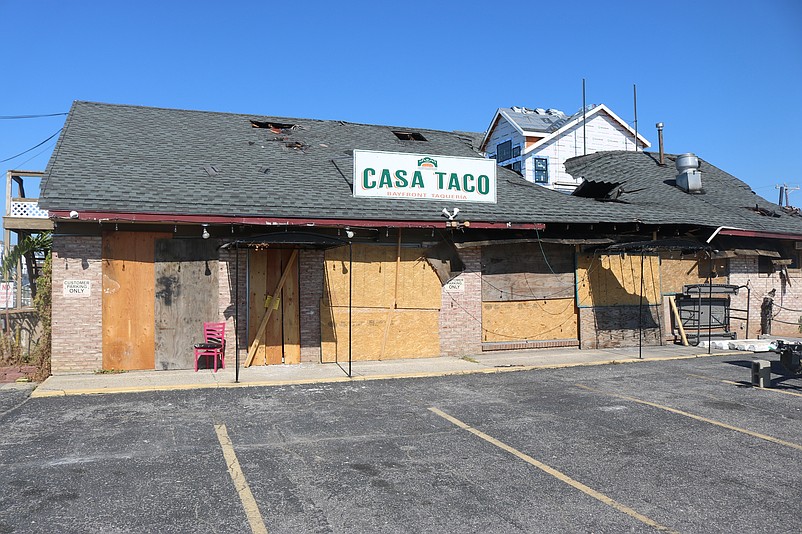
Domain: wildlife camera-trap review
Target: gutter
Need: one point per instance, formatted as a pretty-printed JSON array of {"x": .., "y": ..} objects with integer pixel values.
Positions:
[
  {"x": 719, "y": 229},
  {"x": 101, "y": 217}
]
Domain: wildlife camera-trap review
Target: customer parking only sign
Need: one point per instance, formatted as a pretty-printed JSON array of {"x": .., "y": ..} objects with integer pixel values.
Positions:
[{"x": 395, "y": 175}]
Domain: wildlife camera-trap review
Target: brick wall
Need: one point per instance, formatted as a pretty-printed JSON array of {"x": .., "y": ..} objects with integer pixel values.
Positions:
[
  {"x": 77, "y": 321},
  {"x": 311, "y": 288},
  {"x": 787, "y": 299},
  {"x": 461, "y": 313},
  {"x": 618, "y": 326},
  {"x": 227, "y": 277}
]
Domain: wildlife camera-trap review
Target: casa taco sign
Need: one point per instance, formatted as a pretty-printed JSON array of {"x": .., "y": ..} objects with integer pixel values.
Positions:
[{"x": 396, "y": 175}]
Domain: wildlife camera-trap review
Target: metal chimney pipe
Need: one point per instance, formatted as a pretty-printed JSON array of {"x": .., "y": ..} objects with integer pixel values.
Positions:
[{"x": 659, "y": 126}]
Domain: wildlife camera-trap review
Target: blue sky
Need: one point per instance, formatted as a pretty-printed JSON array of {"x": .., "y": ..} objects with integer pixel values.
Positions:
[{"x": 724, "y": 76}]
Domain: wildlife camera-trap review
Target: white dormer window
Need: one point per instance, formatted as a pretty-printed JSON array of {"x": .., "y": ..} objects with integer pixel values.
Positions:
[
  {"x": 541, "y": 170},
  {"x": 504, "y": 151}
]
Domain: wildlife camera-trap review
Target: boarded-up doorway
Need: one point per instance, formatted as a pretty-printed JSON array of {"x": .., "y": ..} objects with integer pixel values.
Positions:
[
  {"x": 128, "y": 299},
  {"x": 281, "y": 340},
  {"x": 186, "y": 275}
]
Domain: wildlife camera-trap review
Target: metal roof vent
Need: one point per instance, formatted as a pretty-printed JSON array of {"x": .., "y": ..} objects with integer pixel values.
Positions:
[{"x": 689, "y": 178}]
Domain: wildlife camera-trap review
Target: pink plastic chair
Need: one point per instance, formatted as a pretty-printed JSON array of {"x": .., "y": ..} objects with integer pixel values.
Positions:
[{"x": 214, "y": 345}]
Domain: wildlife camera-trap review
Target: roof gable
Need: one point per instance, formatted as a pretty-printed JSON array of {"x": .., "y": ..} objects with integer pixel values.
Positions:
[{"x": 551, "y": 123}]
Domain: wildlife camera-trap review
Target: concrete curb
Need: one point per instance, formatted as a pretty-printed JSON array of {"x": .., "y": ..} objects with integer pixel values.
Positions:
[{"x": 42, "y": 391}]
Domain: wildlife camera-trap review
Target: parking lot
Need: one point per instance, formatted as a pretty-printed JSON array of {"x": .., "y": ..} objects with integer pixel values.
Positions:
[{"x": 683, "y": 446}]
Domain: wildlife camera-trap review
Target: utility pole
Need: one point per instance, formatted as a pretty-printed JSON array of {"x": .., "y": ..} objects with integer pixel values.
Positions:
[{"x": 785, "y": 190}]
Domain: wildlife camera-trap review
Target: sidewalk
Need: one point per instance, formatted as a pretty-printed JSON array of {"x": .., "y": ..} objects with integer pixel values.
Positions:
[{"x": 307, "y": 373}]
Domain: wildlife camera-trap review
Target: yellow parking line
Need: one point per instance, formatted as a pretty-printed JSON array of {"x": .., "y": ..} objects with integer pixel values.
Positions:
[
  {"x": 698, "y": 418},
  {"x": 773, "y": 390},
  {"x": 553, "y": 472},
  {"x": 241, "y": 485}
]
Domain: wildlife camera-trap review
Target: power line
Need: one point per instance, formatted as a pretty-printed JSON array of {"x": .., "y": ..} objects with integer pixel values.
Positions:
[
  {"x": 13, "y": 117},
  {"x": 45, "y": 149},
  {"x": 32, "y": 148}
]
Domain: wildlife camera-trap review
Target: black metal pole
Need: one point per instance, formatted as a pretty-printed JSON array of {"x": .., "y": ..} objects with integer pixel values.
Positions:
[
  {"x": 584, "y": 128},
  {"x": 698, "y": 316},
  {"x": 710, "y": 315},
  {"x": 640, "y": 311},
  {"x": 236, "y": 317},
  {"x": 748, "y": 298},
  {"x": 350, "y": 301},
  {"x": 635, "y": 103}
]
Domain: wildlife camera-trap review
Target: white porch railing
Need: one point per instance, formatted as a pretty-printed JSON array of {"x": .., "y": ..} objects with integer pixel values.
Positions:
[{"x": 28, "y": 207}]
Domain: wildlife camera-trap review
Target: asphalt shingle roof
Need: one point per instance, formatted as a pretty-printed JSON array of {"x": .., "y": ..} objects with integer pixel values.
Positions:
[
  {"x": 538, "y": 120},
  {"x": 129, "y": 159},
  {"x": 117, "y": 158},
  {"x": 651, "y": 191}
]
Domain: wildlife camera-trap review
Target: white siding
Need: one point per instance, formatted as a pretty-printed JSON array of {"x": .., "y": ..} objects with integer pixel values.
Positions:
[
  {"x": 603, "y": 133},
  {"x": 502, "y": 132}
]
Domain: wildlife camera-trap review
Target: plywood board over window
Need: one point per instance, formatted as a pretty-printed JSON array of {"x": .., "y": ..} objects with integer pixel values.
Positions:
[
  {"x": 615, "y": 280},
  {"x": 186, "y": 275},
  {"x": 528, "y": 293},
  {"x": 395, "y": 299},
  {"x": 527, "y": 271},
  {"x": 128, "y": 299},
  {"x": 677, "y": 270},
  {"x": 538, "y": 320}
]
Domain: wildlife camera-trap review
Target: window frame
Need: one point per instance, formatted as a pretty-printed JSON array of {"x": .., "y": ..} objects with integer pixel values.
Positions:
[
  {"x": 504, "y": 149},
  {"x": 537, "y": 171}
]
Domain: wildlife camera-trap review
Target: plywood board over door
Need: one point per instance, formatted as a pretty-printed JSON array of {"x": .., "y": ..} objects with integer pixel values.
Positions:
[
  {"x": 128, "y": 299},
  {"x": 186, "y": 276},
  {"x": 280, "y": 341}
]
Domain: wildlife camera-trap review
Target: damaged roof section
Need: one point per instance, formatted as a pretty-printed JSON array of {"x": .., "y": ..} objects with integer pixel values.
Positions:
[
  {"x": 650, "y": 191},
  {"x": 274, "y": 126}
]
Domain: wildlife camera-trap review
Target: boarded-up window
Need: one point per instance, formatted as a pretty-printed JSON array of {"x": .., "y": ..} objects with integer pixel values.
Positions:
[
  {"x": 528, "y": 293},
  {"x": 615, "y": 280},
  {"x": 526, "y": 271},
  {"x": 395, "y": 297},
  {"x": 677, "y": 271}
]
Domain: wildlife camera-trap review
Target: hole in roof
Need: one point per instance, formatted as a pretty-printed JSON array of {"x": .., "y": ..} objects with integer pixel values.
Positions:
[
  {"x": 764, "y": 212},
  {"x": 275, "y": 127},
  {"x": 409, "y": 136}
]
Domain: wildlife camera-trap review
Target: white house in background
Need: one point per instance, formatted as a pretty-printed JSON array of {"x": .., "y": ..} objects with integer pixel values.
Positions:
[{"x": 536, "y": 142}]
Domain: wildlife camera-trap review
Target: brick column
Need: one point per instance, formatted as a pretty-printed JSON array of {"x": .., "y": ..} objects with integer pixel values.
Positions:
[
  {"x": 227, "y": 275},
  {"x": 461, "y": 313},
  {"x": 311, "y": 289},
  {"x": 77, "y": 321}
]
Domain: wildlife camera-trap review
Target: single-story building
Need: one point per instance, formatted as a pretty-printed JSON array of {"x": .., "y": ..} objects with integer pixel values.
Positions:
[{"x": 321, "y": 241}]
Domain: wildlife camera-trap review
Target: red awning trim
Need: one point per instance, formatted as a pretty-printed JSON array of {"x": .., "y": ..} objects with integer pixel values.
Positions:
[
  {"x": 751, "y": 233},
  {"x": 96, "y": 216}
]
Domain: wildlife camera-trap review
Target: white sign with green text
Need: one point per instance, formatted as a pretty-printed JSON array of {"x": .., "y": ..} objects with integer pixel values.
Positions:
[{"x": 423, "y": 177}]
